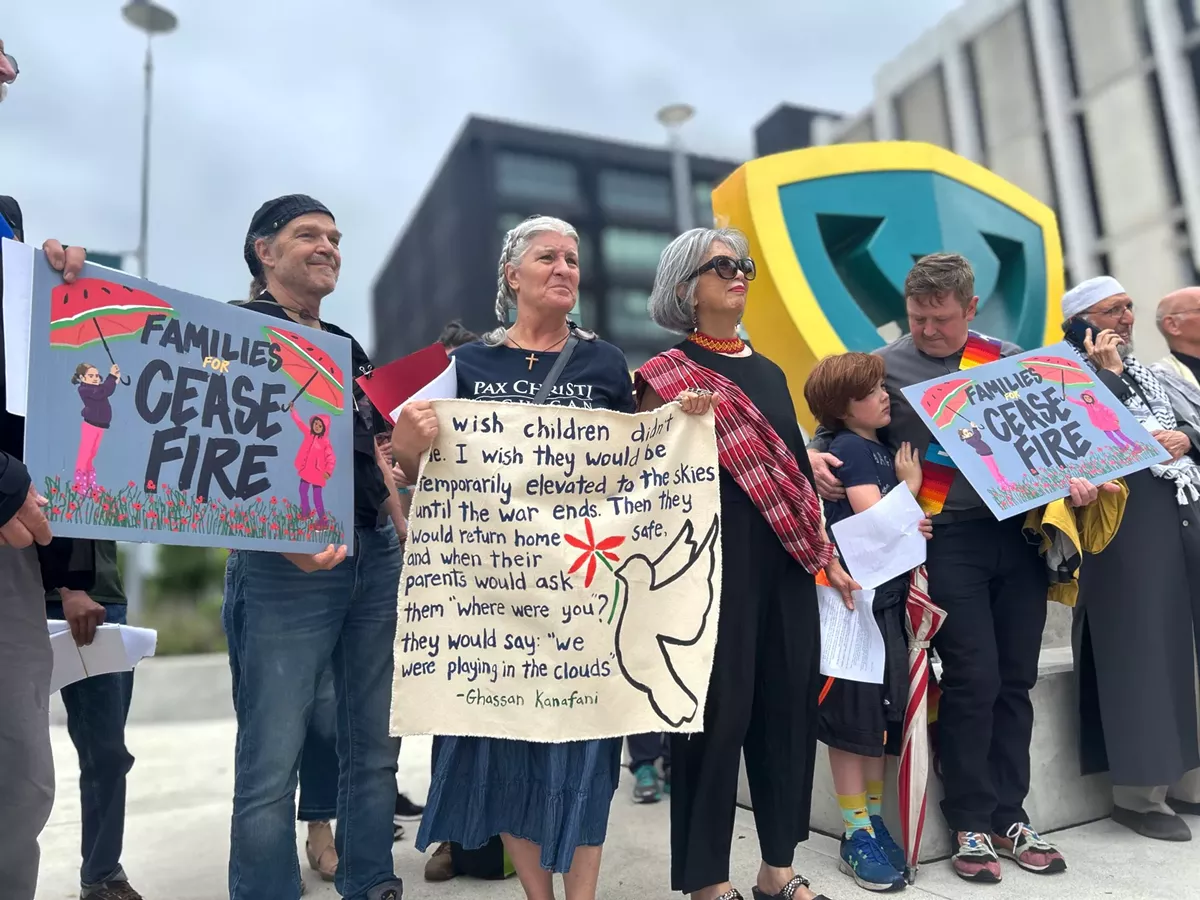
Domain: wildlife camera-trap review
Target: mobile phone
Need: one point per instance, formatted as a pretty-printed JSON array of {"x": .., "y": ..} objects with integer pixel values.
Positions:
[{"x": 1076, "y": 330}]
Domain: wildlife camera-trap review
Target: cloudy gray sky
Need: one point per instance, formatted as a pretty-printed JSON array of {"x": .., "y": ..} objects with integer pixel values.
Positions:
[{"x": 355, "y": 102}]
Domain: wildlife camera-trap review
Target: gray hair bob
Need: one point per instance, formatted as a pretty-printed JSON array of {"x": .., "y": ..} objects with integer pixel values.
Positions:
[
  {"x": 681, "y": 258},
  {"x": 516, "y": 245}
]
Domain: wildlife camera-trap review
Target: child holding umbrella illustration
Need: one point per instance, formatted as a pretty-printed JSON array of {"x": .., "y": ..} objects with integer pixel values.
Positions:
[
  {"x": 97, "y": 417},
  {"x": 315, "y": 462}
]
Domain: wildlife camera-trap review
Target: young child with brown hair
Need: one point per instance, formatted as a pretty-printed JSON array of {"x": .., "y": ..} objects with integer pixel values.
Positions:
[{"x": 858, "y": 722}]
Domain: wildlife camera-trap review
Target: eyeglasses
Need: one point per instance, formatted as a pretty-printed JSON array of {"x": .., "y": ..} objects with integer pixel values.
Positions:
[
  {"x": 1116, "y": 311},
  {"x": 1183, "y": 312},
  {"x": 727, "y": 268}
]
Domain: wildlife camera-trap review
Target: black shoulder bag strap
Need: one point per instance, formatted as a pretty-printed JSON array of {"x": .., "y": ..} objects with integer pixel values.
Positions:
[{"x": 555, "y": 372}]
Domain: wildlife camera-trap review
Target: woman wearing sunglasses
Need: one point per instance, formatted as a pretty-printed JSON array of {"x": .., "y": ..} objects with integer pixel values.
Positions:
[{"x": 762, "y": 697}]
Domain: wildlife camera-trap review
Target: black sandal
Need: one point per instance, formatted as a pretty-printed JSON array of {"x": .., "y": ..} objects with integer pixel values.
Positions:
[
  {"x": 788, "y": 892},
  {"x": 731, "y": 894}
]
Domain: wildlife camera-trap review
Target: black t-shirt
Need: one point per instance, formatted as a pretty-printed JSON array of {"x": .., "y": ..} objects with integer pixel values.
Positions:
[
  {"x": 863, "y": 462},
  {"x": 370, "y": 490},
  {"x": 595, "y": 377},
  {"x": 765, "y": 385}
]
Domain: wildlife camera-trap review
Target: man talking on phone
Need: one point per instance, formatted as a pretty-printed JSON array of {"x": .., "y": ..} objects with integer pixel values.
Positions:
[{"x": 1139, "y": 600}]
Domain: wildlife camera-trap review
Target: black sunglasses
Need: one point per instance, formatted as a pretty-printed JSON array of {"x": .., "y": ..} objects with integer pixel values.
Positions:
[{"x": 727, "y": 268}]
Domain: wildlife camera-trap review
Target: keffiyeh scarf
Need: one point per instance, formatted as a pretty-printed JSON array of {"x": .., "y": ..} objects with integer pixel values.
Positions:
[{"x": 1152, "y": 408}]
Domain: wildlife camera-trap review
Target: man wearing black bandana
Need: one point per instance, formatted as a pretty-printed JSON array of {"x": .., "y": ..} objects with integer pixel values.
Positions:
[{"x": 287, "y": 616}]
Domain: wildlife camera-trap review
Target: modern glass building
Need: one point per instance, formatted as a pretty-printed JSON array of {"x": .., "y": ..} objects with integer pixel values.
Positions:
[
  {"x": 1092, "y": 106},
  {"x": 619, "y": 196}
]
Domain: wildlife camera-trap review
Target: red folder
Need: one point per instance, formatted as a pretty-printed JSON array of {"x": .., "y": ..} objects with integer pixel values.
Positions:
[{"x": 389, "y": 386}]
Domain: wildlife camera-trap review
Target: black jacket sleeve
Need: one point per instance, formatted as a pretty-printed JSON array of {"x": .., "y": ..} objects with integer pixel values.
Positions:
[
  {"x": 14, "y": 486},
  {"x": 68, "y": 563},
  {"x": 1115, "y": 383}
]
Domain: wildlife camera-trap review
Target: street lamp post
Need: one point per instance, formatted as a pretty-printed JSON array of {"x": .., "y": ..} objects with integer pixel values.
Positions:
[
  {"x": 672, "y": 118},
  {"x": 148, "y": 17},
  {"x": 151, "y": 19}
]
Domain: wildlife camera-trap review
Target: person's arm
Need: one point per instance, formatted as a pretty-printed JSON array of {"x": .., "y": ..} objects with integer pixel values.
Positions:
[
  {"x": 68, "y": 563},
  {"x": 105, "y": 389},
  {"x": 300, "y": 423},
  {"x": 393, "y": 505}
]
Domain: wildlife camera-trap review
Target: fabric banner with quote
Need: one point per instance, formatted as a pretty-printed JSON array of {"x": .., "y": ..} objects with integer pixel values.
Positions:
[{"x": 562, "y": 574}]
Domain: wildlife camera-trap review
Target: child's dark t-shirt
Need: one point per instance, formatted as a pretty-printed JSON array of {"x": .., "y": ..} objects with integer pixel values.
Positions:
[{"x": 863, "y": 462}]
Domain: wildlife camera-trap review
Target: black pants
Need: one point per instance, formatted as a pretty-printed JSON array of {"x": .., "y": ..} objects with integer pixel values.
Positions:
[
  {"x": 647, "y": 750},
  {"x": 992, "y": 585},
  {"x": 762, "y": 698}
]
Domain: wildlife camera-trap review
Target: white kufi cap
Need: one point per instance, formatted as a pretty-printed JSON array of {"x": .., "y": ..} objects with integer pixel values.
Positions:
[{"x": 1087, "y": 294}]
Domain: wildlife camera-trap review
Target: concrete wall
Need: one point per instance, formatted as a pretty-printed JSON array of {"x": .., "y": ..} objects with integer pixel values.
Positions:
[
  {"x": 1009, "y": 105},
  {"x": 921, "y": 110},
  {"x": 1130, "y": 162}
]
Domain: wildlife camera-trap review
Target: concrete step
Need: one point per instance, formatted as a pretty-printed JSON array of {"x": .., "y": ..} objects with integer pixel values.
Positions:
[{"x": 1059, "y": 797}]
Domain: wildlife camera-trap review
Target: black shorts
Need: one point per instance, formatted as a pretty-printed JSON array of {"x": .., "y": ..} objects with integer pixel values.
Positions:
[
  {"x": 852, "y": 718},
  {"x": 853, "y": 715}
]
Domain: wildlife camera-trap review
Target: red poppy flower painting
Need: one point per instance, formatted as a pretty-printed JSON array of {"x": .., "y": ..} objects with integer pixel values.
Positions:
[{"x": 593, "y": 550}]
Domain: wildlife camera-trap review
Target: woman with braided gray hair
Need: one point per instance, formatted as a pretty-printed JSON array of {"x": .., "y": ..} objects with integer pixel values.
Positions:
[{"x": 548, "y": 802}]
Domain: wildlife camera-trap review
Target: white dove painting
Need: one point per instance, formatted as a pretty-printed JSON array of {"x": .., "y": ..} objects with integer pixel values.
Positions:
[{"x": 655, "y": 623}]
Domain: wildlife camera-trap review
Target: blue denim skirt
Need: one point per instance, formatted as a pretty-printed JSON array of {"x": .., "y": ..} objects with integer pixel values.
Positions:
[{"x": 555, "y": 795}]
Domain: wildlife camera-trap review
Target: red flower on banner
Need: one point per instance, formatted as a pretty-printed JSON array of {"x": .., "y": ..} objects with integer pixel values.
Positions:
[{"x": 592, "y": 550}]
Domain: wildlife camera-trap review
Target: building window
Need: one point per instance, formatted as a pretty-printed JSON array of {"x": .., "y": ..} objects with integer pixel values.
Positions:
[
  {"x": 541, "y": 179},
  {"x": 1164, "y": 139},
  {"x": 702, "y": 201},
  {"x": 1189, "y": 11},
  {"x": 632, "y": 252},
  {"x": 1068, "y": 46},
  {"x": 584, "y": 311},
  {"x": 635, "y": 194},
  {"x": 629, "y": 318}
]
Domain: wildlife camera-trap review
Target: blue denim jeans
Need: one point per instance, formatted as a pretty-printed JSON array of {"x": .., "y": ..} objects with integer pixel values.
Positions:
[
  {"x": 319, "y": 759},
  {"x": 284, "y": 628},
  {"x": 97, "y": 708}
]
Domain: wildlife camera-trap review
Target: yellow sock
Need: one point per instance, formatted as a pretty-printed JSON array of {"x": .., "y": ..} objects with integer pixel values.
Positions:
[
  {"x": 875, "y": 798},
  {"x": 854, "y": 813}
]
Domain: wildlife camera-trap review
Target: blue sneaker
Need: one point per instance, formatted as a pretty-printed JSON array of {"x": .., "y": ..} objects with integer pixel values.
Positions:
[
  {"x": 895, "y": 853},
  {"x": 646, "y": 788},
  {"x": 864, "y": 860}
]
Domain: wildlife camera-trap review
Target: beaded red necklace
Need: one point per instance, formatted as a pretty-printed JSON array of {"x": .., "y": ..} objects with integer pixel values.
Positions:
[{"x": 717, "y": 345}]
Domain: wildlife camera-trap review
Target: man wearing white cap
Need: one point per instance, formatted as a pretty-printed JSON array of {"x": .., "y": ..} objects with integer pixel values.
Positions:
[{"x": 1139, "y": 600}]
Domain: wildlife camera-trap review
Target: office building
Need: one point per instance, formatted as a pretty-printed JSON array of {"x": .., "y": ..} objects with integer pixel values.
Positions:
[
  {"x": 1092, "y": 106},
  {"x": 619, "y": 196}
]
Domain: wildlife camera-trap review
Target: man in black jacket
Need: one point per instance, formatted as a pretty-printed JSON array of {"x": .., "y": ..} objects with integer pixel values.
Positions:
[{"x": 30, "y": 564}]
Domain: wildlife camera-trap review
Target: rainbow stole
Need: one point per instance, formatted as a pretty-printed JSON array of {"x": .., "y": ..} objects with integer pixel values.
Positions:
[{"x": 937, "y": 468}]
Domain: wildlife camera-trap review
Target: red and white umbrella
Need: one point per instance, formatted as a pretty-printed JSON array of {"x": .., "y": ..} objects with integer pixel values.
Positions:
[{"x": 921, "y": 622}]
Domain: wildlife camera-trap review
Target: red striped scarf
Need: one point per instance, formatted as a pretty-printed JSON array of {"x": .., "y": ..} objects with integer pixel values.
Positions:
[{"x": 753, "y": 453}]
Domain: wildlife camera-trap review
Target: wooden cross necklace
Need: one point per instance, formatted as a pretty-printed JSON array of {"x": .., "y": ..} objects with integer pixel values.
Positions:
[{"x": 533, "y": 357}]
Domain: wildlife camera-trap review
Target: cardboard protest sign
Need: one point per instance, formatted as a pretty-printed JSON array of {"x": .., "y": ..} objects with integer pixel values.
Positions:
[
  {"x": 1020, "y": 428},
  {"x": 159, "y": 416},
  {"x": 562, "y": 575}
]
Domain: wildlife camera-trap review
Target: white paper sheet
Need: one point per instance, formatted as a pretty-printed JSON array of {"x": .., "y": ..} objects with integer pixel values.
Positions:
[
  {"x": 116, "y": 648},
  {"x": 883, "y": 542},
  {"x": 18, "y": 305},
  {"x": 444, "y": 387},
  {"x": 851, "y": 642}
]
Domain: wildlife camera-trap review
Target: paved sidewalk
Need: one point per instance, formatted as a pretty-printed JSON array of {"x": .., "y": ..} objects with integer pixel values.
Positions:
[{"x": 177, "y": 839}]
